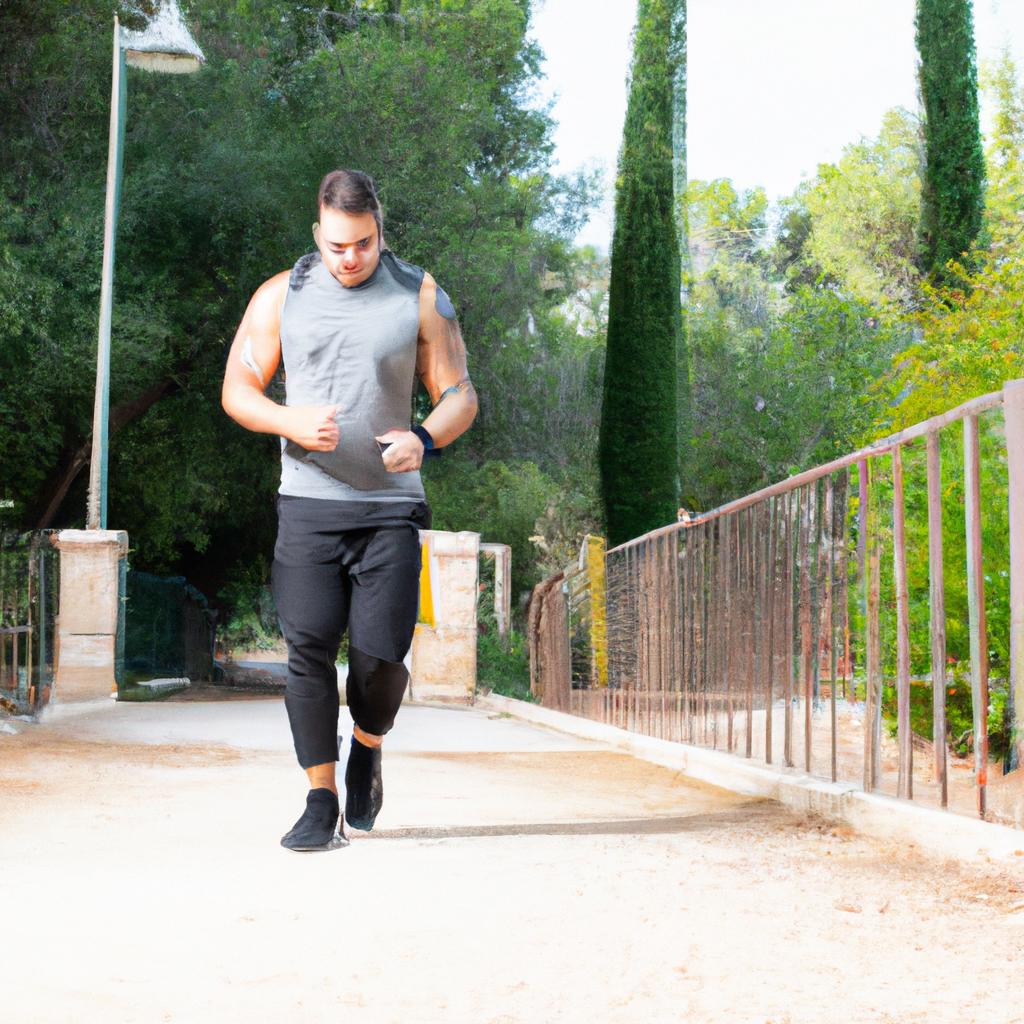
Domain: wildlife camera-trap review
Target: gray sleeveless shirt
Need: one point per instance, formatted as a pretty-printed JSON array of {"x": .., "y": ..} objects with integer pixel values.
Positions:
[{"x": 354, "y": 348}]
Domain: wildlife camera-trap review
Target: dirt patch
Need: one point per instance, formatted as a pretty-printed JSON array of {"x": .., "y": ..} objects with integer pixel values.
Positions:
[
  {"x": 211, "y": 692},
  {"x": 503, "y": 887}
]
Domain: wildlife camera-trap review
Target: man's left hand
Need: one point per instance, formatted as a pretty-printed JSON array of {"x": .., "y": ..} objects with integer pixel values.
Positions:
[{"x": 405, "y": 451}]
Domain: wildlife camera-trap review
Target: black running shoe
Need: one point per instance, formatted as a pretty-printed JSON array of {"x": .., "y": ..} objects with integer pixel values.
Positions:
[
  {"x": 364, "y": 787},
  {"x": 316, "y": 829}
]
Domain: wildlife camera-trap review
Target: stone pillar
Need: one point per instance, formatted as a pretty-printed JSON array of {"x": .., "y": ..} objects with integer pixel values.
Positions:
[
  {"x": 444, "y": 654},
  {"x": 88, "y": 617},
  {"x": 502, "y": 555}
]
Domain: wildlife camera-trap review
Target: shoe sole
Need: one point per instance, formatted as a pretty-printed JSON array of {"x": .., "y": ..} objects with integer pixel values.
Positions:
[{"x": 336, "y": 842}]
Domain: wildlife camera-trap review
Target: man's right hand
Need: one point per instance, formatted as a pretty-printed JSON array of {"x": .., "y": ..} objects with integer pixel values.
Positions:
[{"x": 312, "y": 426}]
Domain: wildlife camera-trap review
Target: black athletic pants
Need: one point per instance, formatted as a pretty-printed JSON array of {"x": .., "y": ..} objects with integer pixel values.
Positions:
[{"x": 338, "y": 565}]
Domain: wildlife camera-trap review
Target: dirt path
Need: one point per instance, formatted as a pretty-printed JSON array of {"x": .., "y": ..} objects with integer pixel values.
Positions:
[{"x": 518, "y": 876}]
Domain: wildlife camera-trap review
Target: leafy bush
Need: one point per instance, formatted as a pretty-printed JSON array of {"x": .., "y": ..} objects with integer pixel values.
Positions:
[
  {"x": 959, "y": 713},
  {"x": 502, "y": 665},
  {"x": 250, "y": 622},
  {"x": 540, "y": 516}
]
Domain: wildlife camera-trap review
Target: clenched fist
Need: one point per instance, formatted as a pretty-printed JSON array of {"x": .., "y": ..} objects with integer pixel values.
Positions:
[
  {"x": 404, "y": 451},
  {"x": 313, "y": 427}
]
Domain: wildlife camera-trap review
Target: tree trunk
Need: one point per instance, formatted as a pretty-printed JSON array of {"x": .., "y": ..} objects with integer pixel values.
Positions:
[{"x": 73, "y": 460}]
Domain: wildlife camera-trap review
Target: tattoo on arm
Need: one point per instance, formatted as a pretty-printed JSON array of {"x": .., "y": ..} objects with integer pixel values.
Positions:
[
  {"x": 464, "y": 385},
  {"x": 249, "y": 361}
]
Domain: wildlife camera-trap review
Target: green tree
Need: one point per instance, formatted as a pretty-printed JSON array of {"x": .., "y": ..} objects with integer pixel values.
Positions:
[
  {"x": 778, "y": 375},
  {"x": 954, "y": 177},
  {"x": 639, "y": 428},
  {"x": 1004, "y": 157},
  {"x": 864, "y": 213},
  {"x": 221, "y": 170},
  {"x": 854, "y": 224}
]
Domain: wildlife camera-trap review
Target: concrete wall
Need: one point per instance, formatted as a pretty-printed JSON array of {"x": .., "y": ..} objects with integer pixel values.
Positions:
[
  {"x": 444, "y": 655},
  {"x": 89, "y": 605}
]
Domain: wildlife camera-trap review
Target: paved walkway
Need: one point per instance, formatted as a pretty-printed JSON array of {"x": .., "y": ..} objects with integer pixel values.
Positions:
[{"x": 516, "y": 875}]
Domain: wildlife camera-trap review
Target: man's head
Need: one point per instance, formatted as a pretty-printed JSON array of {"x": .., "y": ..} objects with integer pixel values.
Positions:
[{"x": 349, "y": 233}]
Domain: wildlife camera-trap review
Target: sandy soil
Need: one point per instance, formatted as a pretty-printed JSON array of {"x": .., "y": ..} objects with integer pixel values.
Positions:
[{"x": 516, "y": 876}]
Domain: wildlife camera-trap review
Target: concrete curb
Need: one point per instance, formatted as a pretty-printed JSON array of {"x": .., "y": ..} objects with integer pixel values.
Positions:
[{"x": 882, "y": 817}]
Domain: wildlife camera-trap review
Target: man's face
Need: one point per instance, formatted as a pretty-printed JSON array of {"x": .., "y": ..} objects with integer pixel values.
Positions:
[{"x": 349, "y": 244}]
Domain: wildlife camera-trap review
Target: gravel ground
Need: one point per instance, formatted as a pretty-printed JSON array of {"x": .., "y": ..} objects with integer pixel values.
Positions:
[{"x": 515, "y": 876}]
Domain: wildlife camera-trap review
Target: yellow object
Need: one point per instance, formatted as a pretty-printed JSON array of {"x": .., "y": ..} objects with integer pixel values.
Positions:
[
  {"x": 598, "y": 611},
  {"x": 426, "y": 615}
]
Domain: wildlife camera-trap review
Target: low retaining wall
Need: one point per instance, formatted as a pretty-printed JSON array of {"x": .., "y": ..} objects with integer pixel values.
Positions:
[{"x": 935, "y": 831}]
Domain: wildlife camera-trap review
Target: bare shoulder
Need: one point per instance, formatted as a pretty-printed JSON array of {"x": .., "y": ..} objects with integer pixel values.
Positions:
[
  {"x": 428, "y": 289},
  {"x": 269, "y": 296},
  {"x": 436, "y": 307}
]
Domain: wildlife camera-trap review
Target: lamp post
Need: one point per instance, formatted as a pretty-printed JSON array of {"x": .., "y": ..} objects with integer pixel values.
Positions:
[{"x": 165, "y": 44}]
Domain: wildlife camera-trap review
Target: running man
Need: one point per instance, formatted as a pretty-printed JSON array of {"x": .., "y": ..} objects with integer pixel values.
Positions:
[{"x": 354, "y": 326}]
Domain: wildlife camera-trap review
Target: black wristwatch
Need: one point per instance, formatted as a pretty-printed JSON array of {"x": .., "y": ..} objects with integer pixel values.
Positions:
[{"x": 428, "y": 442}]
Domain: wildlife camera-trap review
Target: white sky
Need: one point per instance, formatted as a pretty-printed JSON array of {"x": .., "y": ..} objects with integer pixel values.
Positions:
[{"x": 774, "y": 88}]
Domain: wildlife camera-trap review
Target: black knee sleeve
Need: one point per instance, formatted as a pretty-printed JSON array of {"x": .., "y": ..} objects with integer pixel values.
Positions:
[{"x": 374, "y": 691}]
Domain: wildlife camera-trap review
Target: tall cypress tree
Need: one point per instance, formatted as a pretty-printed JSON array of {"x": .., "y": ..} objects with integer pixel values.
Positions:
[
  {"x": 953, "y": 195},
  {"x": 639, "y": 440},
  {"x": 680, "y": 178}
]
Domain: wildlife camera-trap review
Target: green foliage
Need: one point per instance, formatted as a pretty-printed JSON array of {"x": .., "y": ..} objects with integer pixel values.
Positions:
[
  {"x": 971, "y": 341},
  {"x": 959, "y": 715},
  {"x": 221, "y": 170},
  {"x": 638, "y": 447},
  {"x": 1004, "y": 217},
  {"x": 778, "y": 379},
  {"x": 502, "y": 665},
  {"x": 251, "y": 623},
  {"x": 863, "y": 213},
  {"x": 541, "y": 517},
  {"x": 954, "y": 177}
]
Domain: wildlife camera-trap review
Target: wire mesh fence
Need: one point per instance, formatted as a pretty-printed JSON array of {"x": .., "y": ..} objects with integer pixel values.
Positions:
[
  {"x": 29, "y": 595},
  {"x": 168, "y": 630},
  {"x": 861, "y": 622}
]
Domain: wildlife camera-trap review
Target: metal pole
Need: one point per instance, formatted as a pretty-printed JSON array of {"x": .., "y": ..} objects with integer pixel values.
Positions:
[
  {"x": 937, "y": 615},
  {"x": 976, "y": 607},
  {"x": 1013, "y": 411},
  {"x": 905, "y": 776},
  {"x": 41, "y": 675},
  {"x": 97, "y": 507},
  {"x": 770, "y": 602}
]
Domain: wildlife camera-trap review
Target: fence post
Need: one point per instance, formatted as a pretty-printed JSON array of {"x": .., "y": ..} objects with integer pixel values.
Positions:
[
  {"x": 976, "y": 607},
  {"x": 1013, "y": 411},
  {"x": 905, "y": 778},
  {"x": 937, "y": 613}
]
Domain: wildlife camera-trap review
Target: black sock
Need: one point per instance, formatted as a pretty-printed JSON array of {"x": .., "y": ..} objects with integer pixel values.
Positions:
[{"x": 364, "y": 787}]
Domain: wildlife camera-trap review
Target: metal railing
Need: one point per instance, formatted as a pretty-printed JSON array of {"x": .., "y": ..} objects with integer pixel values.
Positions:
[
  {"x": 29, "y": 594},
  {"x": 790, "y": 625}
]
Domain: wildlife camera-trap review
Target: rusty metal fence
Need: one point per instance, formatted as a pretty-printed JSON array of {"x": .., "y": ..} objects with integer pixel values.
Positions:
[
  {"x": 862, "y": 621},
  {"x": 29, "y": 596}
]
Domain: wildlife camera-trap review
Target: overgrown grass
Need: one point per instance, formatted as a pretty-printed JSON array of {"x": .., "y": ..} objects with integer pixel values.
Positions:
[
  {"x": 502, "y": 664},
  {"x": 959, "y": 713}
]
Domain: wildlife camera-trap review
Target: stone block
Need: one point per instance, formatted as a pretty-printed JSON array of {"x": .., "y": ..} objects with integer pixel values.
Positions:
[
  {"x": 444, "y": 655},
  {"x": 89, "y": 604}
]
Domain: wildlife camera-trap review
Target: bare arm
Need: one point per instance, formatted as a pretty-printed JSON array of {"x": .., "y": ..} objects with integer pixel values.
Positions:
[
  {"x": 253, "y": 361},
  {"x": 441, "y": 365}
]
